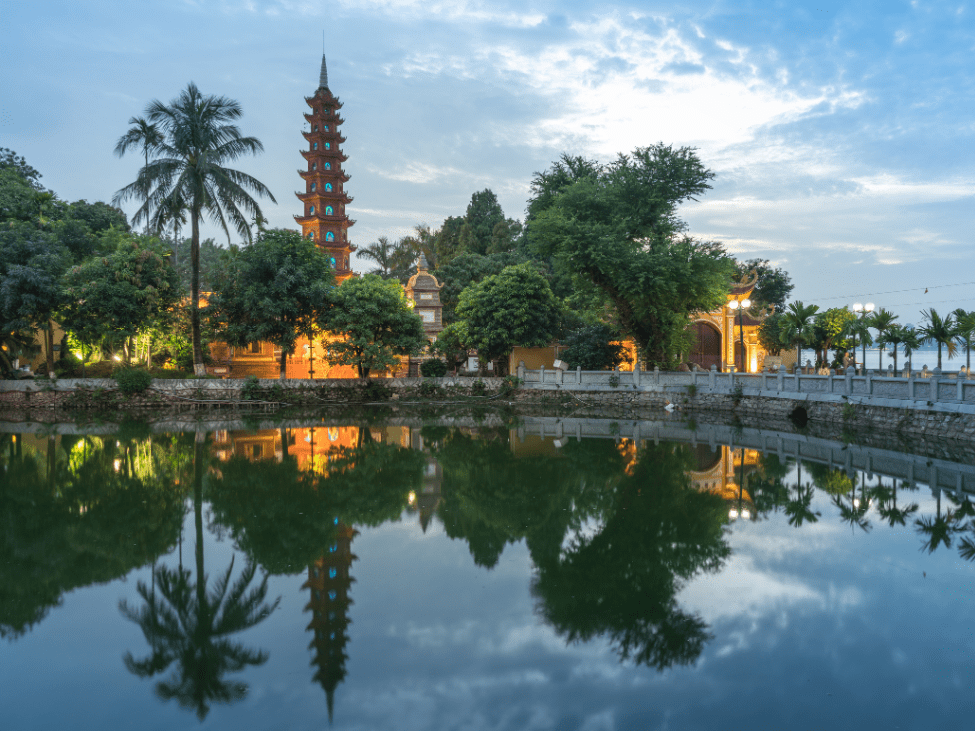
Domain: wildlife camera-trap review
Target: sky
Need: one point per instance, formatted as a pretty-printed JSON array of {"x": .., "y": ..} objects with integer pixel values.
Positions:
[{"x": 842, "y": 135}]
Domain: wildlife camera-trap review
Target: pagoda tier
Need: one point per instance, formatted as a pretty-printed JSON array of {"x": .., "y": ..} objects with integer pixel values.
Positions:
[
  {"x": 323, "y": 218},
  {"x": 313, "y": 175},
  {"x": 325, "y": 196}
]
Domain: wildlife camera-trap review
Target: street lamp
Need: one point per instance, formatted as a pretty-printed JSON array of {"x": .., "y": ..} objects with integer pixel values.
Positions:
[
  {"x": 741, "y": 305},
  {"x": 862, "y": 311}
]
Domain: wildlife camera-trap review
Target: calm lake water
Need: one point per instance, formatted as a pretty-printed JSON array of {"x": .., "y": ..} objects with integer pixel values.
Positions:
[{"x": 446, "y": 578}]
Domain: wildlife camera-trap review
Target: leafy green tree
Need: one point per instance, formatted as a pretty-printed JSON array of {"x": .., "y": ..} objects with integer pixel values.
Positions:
[
  {"x": 617, "y": 226},
  {"x": 483, "y": 215},
  {"x": 774, "y": 284},
  {"x": 275, "y": 290},
  {"x": 513, "y": 308},
  {"x": 965, "y": 329},
  {"x": 375, "y": 323},
  {"x": 32, "y": 262},
  {"x": 212, "y": 262},
  {"x": 797, "y": 324},
  {"x": 830, "y": 330},
  {"x": 18, "y": 200},
  {"x": 453, "y": 343},
  {"x": 464, "y": 270},
  {"x": 200, "y": 137},
  {"x": 120, "y": 295},
  {"x": 593, "y": 348},
  {"x": 940, "y": 330},
  {"x": 771, "y": 333},
  {"x": 10, "y": 160},
  {"x": 446, "y": 240}
]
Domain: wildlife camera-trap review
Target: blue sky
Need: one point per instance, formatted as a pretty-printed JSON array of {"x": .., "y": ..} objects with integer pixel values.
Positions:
[{"x": 842, "y": 134}]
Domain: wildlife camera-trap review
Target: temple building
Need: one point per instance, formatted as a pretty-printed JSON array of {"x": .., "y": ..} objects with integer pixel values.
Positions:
[{"x": 324, "y": 220}]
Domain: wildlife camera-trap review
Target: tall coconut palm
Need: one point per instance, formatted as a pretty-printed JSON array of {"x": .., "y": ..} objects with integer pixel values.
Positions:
[
  {"x": 882, "y": 321},
  {"x": 940, "y": 330},
  {"x": 199, "y": 139},
  {"x": 965, "y": 326},
  {"x": 142, "y": 134},
  {"x": 860, "y": 328},
  {"x": 798, "y": 321}
]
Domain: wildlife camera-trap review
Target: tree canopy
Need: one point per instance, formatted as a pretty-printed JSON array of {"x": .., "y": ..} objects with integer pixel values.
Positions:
[
  {"x": 616, "y": 225},
  {"x": 375, "y": 324},
  {"x": 513, "y": 308},
  {"x": 275, "y": 290}
]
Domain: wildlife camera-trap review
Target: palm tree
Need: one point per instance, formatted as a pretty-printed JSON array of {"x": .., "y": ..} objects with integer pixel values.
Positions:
[
  {"x": 894, "y": 336},
  {"x": 383, "y": 252},
  {"x": 965, "y": 327},
  {"x": 860, "y": 328},
  {"x": 199, "y": 138},
  {"x": 797, "y": 321},
  {"x": 911, "y": 342},
  {"x": 882, "y": 321},
  {"x": 940, "y": 330},
  {"x": 141, "y": 134}
]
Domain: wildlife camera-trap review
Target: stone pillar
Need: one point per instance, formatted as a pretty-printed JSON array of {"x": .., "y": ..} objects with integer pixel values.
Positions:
[
  {"x": 848, "y": 377},
  {"x": 636, "y": 374},
  {"x": 579, "y": 375},
  {"x": 935, "y": 381},
  {"x": 781, "y": 383},
  {"x": 711, "y": 375},
  {"x": 521, "y": 370}
]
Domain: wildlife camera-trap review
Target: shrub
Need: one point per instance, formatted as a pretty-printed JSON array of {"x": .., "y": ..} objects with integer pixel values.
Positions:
[
  {"x": 593, "y": 348},
  {"x": 433, "y": 368},
  {"x": 509, "y": 385},
  {"x": 132, "y": 380},
  {"x": 479, "y": 387},
  {"x": 251, "y": 390}
]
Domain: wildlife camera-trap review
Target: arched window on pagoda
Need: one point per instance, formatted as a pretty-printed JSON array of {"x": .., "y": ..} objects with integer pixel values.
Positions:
[
  {"x": 329, "y": 211},
  {"x": 311, "y": 235},
  {"x": 311, "y": 211},
  {"x": 314, "y": 145},
  {"x": 328, "y": 166},
  {"x": 328, "y": 145},
  {"x": 329, "y": 236},
  {"x": 331, "y": 261},
  {"x": 325, "y": 127},
  {"x": 328, "y": 187},
  {"x": 313, "y": 186},
  {"x": 316, "y": 127},
  {"x": 314, "y": 166}
]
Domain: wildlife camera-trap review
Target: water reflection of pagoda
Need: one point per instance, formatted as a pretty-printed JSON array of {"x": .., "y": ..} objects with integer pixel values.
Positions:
[{"x": 329, "y": 582}]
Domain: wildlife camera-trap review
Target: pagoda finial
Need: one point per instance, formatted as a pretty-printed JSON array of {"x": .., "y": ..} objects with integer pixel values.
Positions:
[
  {"x": 323, "y": 78},
  {"x": 421, "y": 265}
]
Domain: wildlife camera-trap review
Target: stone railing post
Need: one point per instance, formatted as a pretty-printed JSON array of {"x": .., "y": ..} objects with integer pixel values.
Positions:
[
  {"x": 559, "y": 380},
  {"x": 781, "y": 384},
  {"x": 579, "y": 375},
  {"x": 656, "y": 375},
  {"x": 636, "y": 374},
  {"x": 961, "y": 387},
  {"x": 868, "y": 382},
  {"x": 798, "y": 380},
  {"x": 848, "y": 377},
  {"x": 541, "y": 375},
  {"x": 935, "y": 381},
  {"x": 910, "y": 385},
  {"x": 521, "y": 370},
  {"x": 711, "y": 375}
]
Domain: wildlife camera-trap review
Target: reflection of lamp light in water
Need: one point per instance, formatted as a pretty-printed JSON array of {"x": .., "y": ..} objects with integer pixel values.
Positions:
[{"x": 412, "y": 497}]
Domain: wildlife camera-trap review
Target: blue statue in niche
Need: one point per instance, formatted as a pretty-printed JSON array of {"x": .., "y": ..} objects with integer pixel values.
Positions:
[
  {"x": 330, "y": 236},
  {"x": 331, "y": 260},
  {"x": 328, "y": 211}
]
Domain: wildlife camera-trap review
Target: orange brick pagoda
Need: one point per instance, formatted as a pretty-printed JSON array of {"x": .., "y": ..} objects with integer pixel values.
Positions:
[{"x": 324, "y": 200}]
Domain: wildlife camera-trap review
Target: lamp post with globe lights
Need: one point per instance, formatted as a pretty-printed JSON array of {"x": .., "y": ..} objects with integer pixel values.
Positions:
[
  {"x": 741, "y": 305},
  {"x": 862, "y": 311}
]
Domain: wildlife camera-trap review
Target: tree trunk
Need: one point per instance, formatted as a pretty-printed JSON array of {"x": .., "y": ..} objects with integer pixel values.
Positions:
[
  {"x": 198, "y": 524},
  {"x": 283, "y": 373},
  {"x": 149, "y": 353},
  {"x": 49, "y": 338},
  {"x": 199, "y": 368},
  {"x": 284, "y": 444},
  {"x": 129, "y": 347}
]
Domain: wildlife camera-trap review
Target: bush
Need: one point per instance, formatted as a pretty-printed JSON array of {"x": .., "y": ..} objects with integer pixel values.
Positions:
[
  {"x": 433, "y": 368},
  {"x": 251, "y": 390},
  {"x": 132, "y": 380},
  {"x": 593, "y": 349}
]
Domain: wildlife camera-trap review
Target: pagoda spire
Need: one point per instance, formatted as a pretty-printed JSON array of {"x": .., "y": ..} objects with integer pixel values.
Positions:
[{"x": 323, "y": 76}]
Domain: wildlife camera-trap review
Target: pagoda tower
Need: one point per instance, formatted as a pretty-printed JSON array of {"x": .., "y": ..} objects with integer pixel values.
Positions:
[
  {"x": 324, "y": 219},
  {"x": 330, "y": 581}
]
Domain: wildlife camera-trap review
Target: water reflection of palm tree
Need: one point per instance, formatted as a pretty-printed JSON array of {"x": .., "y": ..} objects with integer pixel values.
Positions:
[
  {"x": 937, "y": 530},
  {"x": 854, "y": 513},
  {"x": 800, "y": 510},
  {"x": 887, "y": 504},
  {"x": 190, "y": 625}
]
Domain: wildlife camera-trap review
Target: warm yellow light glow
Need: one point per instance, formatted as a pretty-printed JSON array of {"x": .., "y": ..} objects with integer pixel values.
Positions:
[
  {"x": 746, "y": 514},
  {"x": 746, "y": 303},
  {"x": 412, "y": 497},
  {"x": 733, "y": 514},
  {"x": 733, "y": 305},
  {"x": 868, "y": 307},
  {"x": 118, "y": 465},
  {"x": 117, "y": 358}
]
